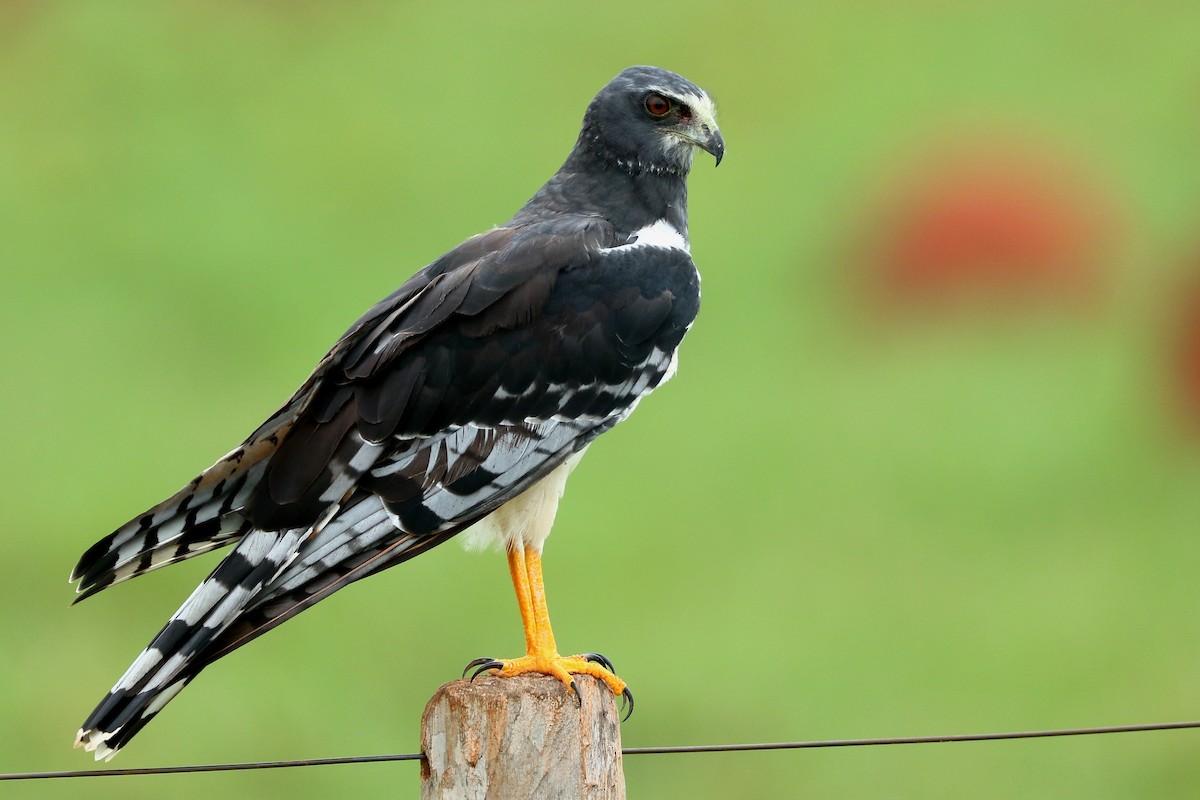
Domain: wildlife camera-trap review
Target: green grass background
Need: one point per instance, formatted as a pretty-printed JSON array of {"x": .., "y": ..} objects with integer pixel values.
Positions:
[{"x": 828, "y": 525}]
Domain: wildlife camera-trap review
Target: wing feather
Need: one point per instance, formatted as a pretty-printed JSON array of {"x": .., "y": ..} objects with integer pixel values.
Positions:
[{"x": 477, "y": 378}]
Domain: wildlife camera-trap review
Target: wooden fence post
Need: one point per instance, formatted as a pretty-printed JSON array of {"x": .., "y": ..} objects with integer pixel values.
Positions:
[{"x": 525, "y": 737}]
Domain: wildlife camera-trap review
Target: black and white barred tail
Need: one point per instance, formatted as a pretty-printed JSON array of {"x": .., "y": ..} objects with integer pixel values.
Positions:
[
  {"x": 163, "y": 668},
  {"x": 202, "y": 516}
]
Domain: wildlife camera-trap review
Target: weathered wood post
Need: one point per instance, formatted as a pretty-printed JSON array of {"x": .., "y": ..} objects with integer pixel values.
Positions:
[{"x": 525, "y": 737}]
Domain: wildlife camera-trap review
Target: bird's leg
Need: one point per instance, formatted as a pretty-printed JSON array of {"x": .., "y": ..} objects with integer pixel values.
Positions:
[
  {"x": 541, "y": 652},
  {"x": 520, "y": 579},
  {"x": 543, "y": 642}
]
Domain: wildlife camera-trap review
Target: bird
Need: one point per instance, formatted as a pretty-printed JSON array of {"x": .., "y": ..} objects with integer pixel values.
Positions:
[{"x": 458, "y": 404}]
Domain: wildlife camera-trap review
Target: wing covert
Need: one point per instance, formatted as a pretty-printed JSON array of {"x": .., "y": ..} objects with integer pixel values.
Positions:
[{"x": 553, "y": 325}]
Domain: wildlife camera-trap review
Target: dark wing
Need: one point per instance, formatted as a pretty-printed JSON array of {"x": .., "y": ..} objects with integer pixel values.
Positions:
[
  {"x": 505, "y": 391},
  {"x": 477, "y": 379},
  {"x": 210, "y": 511},
  {"x": 426, "y": 362}
]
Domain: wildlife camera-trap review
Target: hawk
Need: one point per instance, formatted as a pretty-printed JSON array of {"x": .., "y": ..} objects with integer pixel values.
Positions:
[{"x": 457, "y": 404}]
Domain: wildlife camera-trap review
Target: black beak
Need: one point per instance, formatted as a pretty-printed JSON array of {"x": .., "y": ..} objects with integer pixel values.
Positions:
[{"x": 714, "y": 145}]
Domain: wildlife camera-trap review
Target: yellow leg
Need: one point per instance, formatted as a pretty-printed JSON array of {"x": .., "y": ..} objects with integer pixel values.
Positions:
[
  {"x": 544, "y": 641},
  {"x": 541, "y": 652},
  {"x": 520, "y": 579}
]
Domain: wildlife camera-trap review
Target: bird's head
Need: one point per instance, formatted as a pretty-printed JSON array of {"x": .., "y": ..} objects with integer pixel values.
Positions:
[{"x": 648, "y": 119}]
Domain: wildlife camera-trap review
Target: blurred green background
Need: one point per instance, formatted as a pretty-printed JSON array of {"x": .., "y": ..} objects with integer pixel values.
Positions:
[{"x": 860, "y": 510}]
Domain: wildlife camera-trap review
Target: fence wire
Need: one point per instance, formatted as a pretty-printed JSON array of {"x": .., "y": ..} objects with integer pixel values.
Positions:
[{"x": 628, "y": 751}]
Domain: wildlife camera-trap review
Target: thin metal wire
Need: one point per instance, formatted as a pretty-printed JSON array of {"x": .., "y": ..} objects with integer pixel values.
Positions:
[
  {"x": 307, "y": 762},
  {"x": 629, "y": 751},
  {"x": 964, "y": 737}
]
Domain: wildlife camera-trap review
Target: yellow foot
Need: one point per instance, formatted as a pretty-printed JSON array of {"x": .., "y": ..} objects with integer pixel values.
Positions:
[{"x": 561, "y": 667}]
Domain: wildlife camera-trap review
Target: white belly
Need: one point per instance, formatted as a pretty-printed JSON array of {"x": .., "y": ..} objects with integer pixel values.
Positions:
[{"x": 524, "y": 521}]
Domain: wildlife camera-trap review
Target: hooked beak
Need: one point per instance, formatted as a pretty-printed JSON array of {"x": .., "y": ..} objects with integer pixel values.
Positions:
[
  {"x": 713, "y": 144},
  {"x": 701, "y": 130}
]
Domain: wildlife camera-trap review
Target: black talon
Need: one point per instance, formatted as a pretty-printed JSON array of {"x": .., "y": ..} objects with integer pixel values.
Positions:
[
  {"x": 627, "y": 696},
  {"x": 475, "y": 663},
  {"x": 597, "y": 658},
  {"x": 575, "y": 689},
  {"x": 485, "y": 666}
]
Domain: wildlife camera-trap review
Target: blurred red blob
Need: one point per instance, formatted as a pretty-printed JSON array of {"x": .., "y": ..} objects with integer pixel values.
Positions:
[
  {"x": 1185, "y": 355},
  {"x": 991, "y": 222}
]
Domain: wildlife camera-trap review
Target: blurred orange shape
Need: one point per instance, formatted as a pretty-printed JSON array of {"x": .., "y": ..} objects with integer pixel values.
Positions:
[{"x": 995, "y": 222}]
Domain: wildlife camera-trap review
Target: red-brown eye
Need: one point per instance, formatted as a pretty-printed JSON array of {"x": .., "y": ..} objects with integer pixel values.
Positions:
[{"x": 657, "y": 105}]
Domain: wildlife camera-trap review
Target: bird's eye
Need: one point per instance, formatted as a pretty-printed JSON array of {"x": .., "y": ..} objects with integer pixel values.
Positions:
[{"x": 657, "y": 105}]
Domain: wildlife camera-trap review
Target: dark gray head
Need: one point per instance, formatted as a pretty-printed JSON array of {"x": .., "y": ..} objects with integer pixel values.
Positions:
[{"x": 649, "y": 119}]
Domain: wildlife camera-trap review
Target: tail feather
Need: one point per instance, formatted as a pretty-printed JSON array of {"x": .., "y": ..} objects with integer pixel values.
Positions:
[
  {"x": 210, "y": 535},
  {"x": 198, "y": 518},
  {"x": 360, "y": 541},
  {"x": 167, "y": 664},
  {"x": 273, "y": 575},
  {"x": 290, "y": 594}
]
